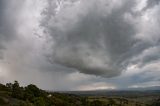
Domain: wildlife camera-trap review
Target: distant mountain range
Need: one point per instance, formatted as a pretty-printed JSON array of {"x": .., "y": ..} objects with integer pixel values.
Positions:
[
  {"x": 145, "y": 88},
  {"x": 154, "y": 90}
]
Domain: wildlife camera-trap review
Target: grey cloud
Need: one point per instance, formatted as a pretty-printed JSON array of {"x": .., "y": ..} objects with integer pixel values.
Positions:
[
  {"x": 148, "y": 75},
  {"x": 97, "y": 43},
  {"x": 100, "y": 40},
  {"x": 94, "y": 38},
  {"x": 8, "y": 21},
  {"x": 151, "y": 3},
  {"x": 2, "y": 27}
]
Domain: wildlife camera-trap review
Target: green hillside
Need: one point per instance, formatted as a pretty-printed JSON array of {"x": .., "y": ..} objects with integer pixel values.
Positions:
[{"x": 12, "y": 94}]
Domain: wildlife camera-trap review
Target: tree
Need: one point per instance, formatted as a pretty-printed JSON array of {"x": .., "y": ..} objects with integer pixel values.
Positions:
[
  {"x": 31, "y": 92},
  {"x": 17, "y": 91},
  {"x": 26, "y": 103},
  {"x": 9, "y": 86},
  {"x": 39, "y": 101},
  {"x": 96, "y": 103},
  {"x": 111, "y": 102},
  {"x": 3, "y": 87},
  {"x": 156, "y": 102},
  {"x": 84, "y": 101}
]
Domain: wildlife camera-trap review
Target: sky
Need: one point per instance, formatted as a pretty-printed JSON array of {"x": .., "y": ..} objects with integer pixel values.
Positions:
[{"x": 80, "y": 44}]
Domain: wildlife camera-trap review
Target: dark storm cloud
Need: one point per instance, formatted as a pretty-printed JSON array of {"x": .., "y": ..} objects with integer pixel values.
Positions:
[
  {"x": 8, "y": 23},
  {"x": 110, "y": 36},
  {"x": 101, "y": 40},
  {"x": 5, "y": 25},
  {"x": 86, "y": 41},
  {"x": 96, "y": 43},
  {"x": 151, "y": 3},
  {"x": 2, "y": 27}
]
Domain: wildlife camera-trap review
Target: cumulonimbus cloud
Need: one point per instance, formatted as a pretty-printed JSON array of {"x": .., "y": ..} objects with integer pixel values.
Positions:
[
  {"x": 105, "y": 38},
  {"x": 98, "y": 37}
]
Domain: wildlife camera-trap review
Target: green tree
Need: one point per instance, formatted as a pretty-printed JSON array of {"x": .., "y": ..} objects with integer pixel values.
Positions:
[
  {"x": 17, "y": 91},
  {"x": 84, "y": 101},
  {"x": 39, "y": 101},
  {"x": 25, "y": 103},
  {"x": 31, "y": 92},
  {"x": 111, "y": 102},
  {"x": 9, "y": 86},
  {"x": 96, "y": 103},
  {"x": 155, "y": 102}
]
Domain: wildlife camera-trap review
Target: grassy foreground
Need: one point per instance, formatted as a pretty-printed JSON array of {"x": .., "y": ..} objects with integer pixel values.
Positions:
[{"x": 12, "y": 94}]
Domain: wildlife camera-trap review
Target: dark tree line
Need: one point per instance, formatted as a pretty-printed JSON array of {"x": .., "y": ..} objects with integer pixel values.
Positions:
[{"x": 31, "y": 94}]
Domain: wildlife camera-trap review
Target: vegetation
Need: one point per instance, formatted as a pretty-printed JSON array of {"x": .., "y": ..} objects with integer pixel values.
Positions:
[{"x": 12, "y": 94}]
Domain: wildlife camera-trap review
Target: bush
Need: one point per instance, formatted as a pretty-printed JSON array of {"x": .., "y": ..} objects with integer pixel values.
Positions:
[
  {"x": 39, "y": 101},
  {"x": 3, "y": 101}
]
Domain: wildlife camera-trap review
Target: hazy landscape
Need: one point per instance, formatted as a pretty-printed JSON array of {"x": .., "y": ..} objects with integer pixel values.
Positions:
[{"x": 12, "y": 94}]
